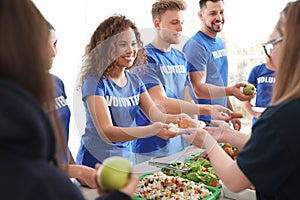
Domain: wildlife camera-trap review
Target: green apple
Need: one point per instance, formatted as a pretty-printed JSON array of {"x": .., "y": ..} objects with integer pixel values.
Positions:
[
  {"x": 114, "y": 173},
  {"x": 249, "y": 89}
]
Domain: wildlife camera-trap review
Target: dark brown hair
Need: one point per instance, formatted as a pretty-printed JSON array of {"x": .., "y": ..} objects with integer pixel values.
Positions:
[
  {"x": 24, "y": 38},
  {"x": 202, "y": 3}
]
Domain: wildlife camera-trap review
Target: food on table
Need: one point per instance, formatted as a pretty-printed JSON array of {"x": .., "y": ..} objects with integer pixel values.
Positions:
[
  {"x": 231, "y": 150},
  {"x": 201, "y": 171},
  {"x": 114, "y": 173},
  {"x": 164, "y": 187}
]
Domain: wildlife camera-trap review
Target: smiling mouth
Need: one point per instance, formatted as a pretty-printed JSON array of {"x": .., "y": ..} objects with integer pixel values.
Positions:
[
  {"x": 129, "y": 58},
  {"x": 218, "y": 23}
]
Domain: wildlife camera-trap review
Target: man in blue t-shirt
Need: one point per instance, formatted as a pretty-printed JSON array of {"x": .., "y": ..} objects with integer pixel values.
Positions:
[
  {"x": 166, "y": 79},
  {"x": 208, "y": 62}
]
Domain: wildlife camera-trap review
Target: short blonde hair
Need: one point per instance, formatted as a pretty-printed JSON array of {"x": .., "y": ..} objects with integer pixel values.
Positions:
[{"x": 161, "y": 6}]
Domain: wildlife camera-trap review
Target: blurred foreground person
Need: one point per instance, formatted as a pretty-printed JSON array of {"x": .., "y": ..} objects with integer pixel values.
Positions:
[
  {"x": 269, "y": 159},
  {"x": 83, "y": 174}
]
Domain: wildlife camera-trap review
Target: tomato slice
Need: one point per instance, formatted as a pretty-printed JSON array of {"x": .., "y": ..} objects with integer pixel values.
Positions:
[{"x": 214, "y": 183}]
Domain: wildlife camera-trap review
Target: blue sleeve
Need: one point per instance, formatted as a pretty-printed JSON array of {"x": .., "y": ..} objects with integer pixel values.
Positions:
[
  {"x": 92, "y": 86},
  {"x": 253, "y": 76},
  {"x": 150, "y": 77},
  {"x": 196, "y": 55}
]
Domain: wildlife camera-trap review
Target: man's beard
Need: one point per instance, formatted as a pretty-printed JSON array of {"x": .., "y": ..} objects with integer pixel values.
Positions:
[{"x": 211, "y": 28}]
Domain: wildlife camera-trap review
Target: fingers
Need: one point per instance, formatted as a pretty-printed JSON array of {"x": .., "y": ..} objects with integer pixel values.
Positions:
[
  {"x": 236, "y": 124},
  {"x": 130, "y": 188},
  {"x": 194, "y": 136},
  {"x": 239, "y": 85},
  {"x": 97, "y": 166}
]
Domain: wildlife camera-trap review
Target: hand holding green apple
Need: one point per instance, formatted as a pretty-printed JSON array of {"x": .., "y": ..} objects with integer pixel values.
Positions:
[
  {"x": 249, "y": 89},
  {"x": 114, "y": 173}
]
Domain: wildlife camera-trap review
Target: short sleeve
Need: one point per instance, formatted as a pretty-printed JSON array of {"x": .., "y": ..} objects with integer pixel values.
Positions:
[
  {"x": 92, "y": 86},
  {"x": 196, "y": 55},
  {"x": 150, "y": 77},
  {"x": 253, "y": 75}
]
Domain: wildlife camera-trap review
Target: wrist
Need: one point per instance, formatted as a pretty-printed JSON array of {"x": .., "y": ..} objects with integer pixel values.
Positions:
[
  {"x": 209, "y": 142},
  {"x": 229, "y": 91},
  {"x": 205, "y": 109}
]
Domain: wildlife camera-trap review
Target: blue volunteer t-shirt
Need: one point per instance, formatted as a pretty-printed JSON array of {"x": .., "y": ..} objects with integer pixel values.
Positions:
[
  {"x": 123, "y": 103},
  {"x": 263, "y": 79},
  {"x": 168, "y": 69},
  {"x": 208, "y": 54},
  {"x": 63, "y": 112}
]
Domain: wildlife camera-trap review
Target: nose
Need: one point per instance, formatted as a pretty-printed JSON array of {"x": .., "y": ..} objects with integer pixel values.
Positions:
[
  {"x": 219, "y": 17},
  {"x": 179, "y": 27},
  {"x": 130, "y": 48},
  {"x": 53, "y": 51}
]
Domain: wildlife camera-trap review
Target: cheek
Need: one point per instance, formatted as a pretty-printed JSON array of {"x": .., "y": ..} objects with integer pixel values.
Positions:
[{"x": 275, "y": 55}]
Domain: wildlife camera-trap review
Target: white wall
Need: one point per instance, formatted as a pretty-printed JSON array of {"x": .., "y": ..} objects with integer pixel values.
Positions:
[{"x": 247, "y": 23}]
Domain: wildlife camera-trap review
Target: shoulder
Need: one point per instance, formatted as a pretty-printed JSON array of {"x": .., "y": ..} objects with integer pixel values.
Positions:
[
  {"x": 284, "y": 113},
  {"x": 93, "y": 82},
  {"x": 57, "y": 80},
  {"x": 177, "y": 53},
  {"x": 132, "y": 75}
]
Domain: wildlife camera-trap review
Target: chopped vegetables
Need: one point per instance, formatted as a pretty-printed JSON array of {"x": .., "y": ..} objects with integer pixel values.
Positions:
[
  {"x": 162, "y": 186},
  {"x": 201, "y": 171}
]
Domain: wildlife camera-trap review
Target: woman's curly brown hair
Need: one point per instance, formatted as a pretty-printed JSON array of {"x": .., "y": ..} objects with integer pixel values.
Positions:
[{"x": 101, "y": 52}]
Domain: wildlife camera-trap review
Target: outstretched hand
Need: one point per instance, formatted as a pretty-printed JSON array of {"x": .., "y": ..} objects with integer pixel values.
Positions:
[
  {"x": 220, "y": 113},
  {"x": 200, "y": 138},
  {"x": 238, "y": 93},
  {"x": 163, "y": 131},
  {"x": 220, "y": 130}
]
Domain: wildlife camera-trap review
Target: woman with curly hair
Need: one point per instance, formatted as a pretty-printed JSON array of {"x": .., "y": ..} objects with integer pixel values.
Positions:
[{"x": 112, "y": 94}]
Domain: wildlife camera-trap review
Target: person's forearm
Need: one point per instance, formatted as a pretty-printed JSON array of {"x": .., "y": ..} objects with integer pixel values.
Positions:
[
  {"x": 248, "y": 107},
  {"x": 237, "y": 139},
  {"x": 122, "y": 134},
  {"x": 176, "y": 106},
  {"x": 209, "y": 91},
  {"x": 228, "y": 170}
]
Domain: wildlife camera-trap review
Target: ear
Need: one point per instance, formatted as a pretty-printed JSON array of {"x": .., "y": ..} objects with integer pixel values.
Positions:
[
  {"x": 156, "y": 23},
  {"x": 200, "y": 15}
]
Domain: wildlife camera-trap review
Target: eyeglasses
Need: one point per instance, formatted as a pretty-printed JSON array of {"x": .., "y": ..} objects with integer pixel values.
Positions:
[{"x": 268, "y": 46}]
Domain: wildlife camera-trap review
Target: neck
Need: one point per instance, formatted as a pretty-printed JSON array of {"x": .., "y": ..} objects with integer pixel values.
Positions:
[
  {"x": 161, "y": 44},
  {"x": 208, "y": 32},
  {"x": 119, "y": 78}
]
